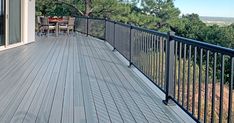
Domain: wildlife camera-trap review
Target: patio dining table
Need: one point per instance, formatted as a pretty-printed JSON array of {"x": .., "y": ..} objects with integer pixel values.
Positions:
[{"x": 57, "y": 22}]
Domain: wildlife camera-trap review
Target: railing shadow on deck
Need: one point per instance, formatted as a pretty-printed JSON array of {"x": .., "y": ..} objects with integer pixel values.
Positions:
[{"x": 195, "y": 75}]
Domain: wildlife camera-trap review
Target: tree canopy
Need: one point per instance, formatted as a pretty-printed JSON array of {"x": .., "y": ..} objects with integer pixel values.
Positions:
[{"x": 159, "y": 15}]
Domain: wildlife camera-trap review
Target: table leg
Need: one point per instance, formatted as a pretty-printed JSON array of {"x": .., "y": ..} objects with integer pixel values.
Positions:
[{"x": 57, "y": 29}]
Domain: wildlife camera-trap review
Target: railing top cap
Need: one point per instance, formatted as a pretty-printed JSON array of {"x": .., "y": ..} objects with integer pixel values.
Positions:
[{"x": 205, "y": 45}]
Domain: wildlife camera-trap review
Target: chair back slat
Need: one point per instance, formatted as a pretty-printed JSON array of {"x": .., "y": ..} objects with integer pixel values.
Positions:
[
  {"x": 71, "y": 21},
  {"x": 44, "y": 21}
]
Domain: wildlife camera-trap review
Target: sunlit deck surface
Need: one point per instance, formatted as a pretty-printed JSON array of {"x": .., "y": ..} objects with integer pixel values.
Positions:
[{"x": 74, "y": 79}]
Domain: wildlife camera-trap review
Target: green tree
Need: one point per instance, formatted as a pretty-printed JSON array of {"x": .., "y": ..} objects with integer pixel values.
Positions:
[{"x": 164, "y": 10}]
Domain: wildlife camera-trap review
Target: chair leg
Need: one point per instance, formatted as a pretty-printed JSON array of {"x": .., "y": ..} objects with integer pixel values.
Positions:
[{"x": 48, "y": 32}]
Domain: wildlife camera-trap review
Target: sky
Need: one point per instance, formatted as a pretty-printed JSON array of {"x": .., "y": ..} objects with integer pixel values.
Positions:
[{"x": 216, "y": 8}]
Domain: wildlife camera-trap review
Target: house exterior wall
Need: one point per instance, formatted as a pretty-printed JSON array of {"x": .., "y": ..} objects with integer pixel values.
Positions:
[{"x": 28, "y": 25}]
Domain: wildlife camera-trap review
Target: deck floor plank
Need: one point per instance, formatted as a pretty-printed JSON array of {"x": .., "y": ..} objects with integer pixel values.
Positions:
[
  {"x": 74, "y": 79},
  {"x": 12, "y": 106},
  {"x": 110, "y": 106}
]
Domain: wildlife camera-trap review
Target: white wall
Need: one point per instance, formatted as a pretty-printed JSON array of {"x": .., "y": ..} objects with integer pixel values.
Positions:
[{"x": 28, "y": 22}]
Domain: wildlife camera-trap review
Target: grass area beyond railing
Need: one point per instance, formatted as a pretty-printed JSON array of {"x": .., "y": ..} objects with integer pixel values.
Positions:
[{"x": 196, "y": 76}]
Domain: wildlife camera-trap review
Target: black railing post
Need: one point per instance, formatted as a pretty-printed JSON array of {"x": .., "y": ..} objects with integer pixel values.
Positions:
[
  {"x": 170, "y": 82},
  {"x": 130, "y": 47},
  {"x": 114, "y": 37},
  {"x": 105, "y": 30},
  {"x": 87, "y": 31}
]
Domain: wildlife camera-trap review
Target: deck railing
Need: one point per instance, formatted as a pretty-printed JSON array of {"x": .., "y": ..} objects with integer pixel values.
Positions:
[{"x": 196, "y": 76}]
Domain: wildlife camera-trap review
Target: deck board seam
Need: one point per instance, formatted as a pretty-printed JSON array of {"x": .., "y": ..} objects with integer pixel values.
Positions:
[
  {"x": 12, "y": 101},
  {"x": 47, "y": 55},
  {"x": 82, "y": 77},
  {"x": 98, "y": 83},
  {"x": 29, "y": 83},
  {"x": 122, "y": 97},
  {"x": 40, "y": 81},
  {"x": 53, "y": 67}
]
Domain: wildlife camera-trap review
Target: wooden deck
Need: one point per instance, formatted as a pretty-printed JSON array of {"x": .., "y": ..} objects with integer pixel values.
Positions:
[{"x": 74, "y": 79}]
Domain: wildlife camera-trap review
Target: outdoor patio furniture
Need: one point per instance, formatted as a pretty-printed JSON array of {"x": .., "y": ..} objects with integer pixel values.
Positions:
[
  {"x": 56, "y": 21},
  {"x": 69, "y": 26},
  {"x": 38, "y": 25},
  {"x": 45, "y": 27}
]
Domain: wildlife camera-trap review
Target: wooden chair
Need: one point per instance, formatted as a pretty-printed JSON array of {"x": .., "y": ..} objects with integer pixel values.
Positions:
[
  {"x": 69, "y": 26},
  {"x": 38, "y": 25},
  {"x": 45, "y": 27}
]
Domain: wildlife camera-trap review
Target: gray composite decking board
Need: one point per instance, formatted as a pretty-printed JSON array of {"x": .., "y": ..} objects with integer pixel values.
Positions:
[
  {"x": 67, "y": 113},
  {"x": 115, "y": 114},
  {"x": 130, "y": 101},
  {"x": 7, "y": 77},
  {"x": 12, "y": 53},
  {"x": 89, "y": 104},
  {"x": 113, "y": 111},
  {"x": 15, "y": 101},
  {"x": 12, "y": 76},
  {"x": 106, "y": 97},
  {"x": 19, "y": 75},
  {"x": 154, "y": 105},
  {"x": 34, "y": 108},
  {"x": 143, "y": 95},
  {"x": 17, "y": 63},
  {"x": 146, "y": 101},
  {"x": 33, "y": 92},
  {"x": 79, "y": 109},
  {"x": 45, "y": 109},
  {"x": 28, "y": 95},
  {"x": 56, "y": 111},
  {"x": 74, "y": 79},
  {"x": 105, "y": 76}
]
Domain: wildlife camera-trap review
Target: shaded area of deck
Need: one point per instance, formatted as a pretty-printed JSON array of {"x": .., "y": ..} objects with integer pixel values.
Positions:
[{"x": 74, "y": 79}]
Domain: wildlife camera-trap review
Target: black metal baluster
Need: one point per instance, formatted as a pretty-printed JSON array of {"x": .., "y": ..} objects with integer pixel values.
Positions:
[
  {"x": 159, "y": 67},
  {"x": 114, "y": 36},
  {"x": 154, "y": 59},
  {"x": 105, "y": 29},
  {"x": 144, "y": 47},
  {"x": 221, "y": 90},
  {"x": 158, "y": 42},
  {"x": 135, "y": 44},
  {"x": 230, "y": 103},
  {"x": 213, "y": 88},
  {"x": 151, "y": 56},
  {"x": 130, "y": 46},
  {"x": 87, "y": 26},
  {"x": 194, "y": 79},
  {"x": 147, "y": 54},
  {"x": 183, "y": 85},
  {"x": 175, "y": 69},
  {"x": 206, "y": 86},
  {"x": 140, "y": 60},
  {"x": 179, "y": 72},
  {"x": 162, "y": 75},
  {"x": 199, "y": 84},
  {"x": 138, "y": 48},
  {"x": 188, "y": 81}
]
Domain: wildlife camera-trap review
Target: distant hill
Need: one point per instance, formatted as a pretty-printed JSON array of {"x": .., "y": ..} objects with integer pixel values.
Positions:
[{"x": 222, "y": 21}]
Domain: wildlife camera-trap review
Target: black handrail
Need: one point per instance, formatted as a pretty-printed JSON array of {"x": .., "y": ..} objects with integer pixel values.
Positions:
[
  {"x": 212, "y": 47},
  {"x": 176, "y": 65}
]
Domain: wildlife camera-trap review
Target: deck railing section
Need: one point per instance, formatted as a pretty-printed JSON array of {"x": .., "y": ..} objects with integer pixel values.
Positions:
[{"x": 197, "y": 76}]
